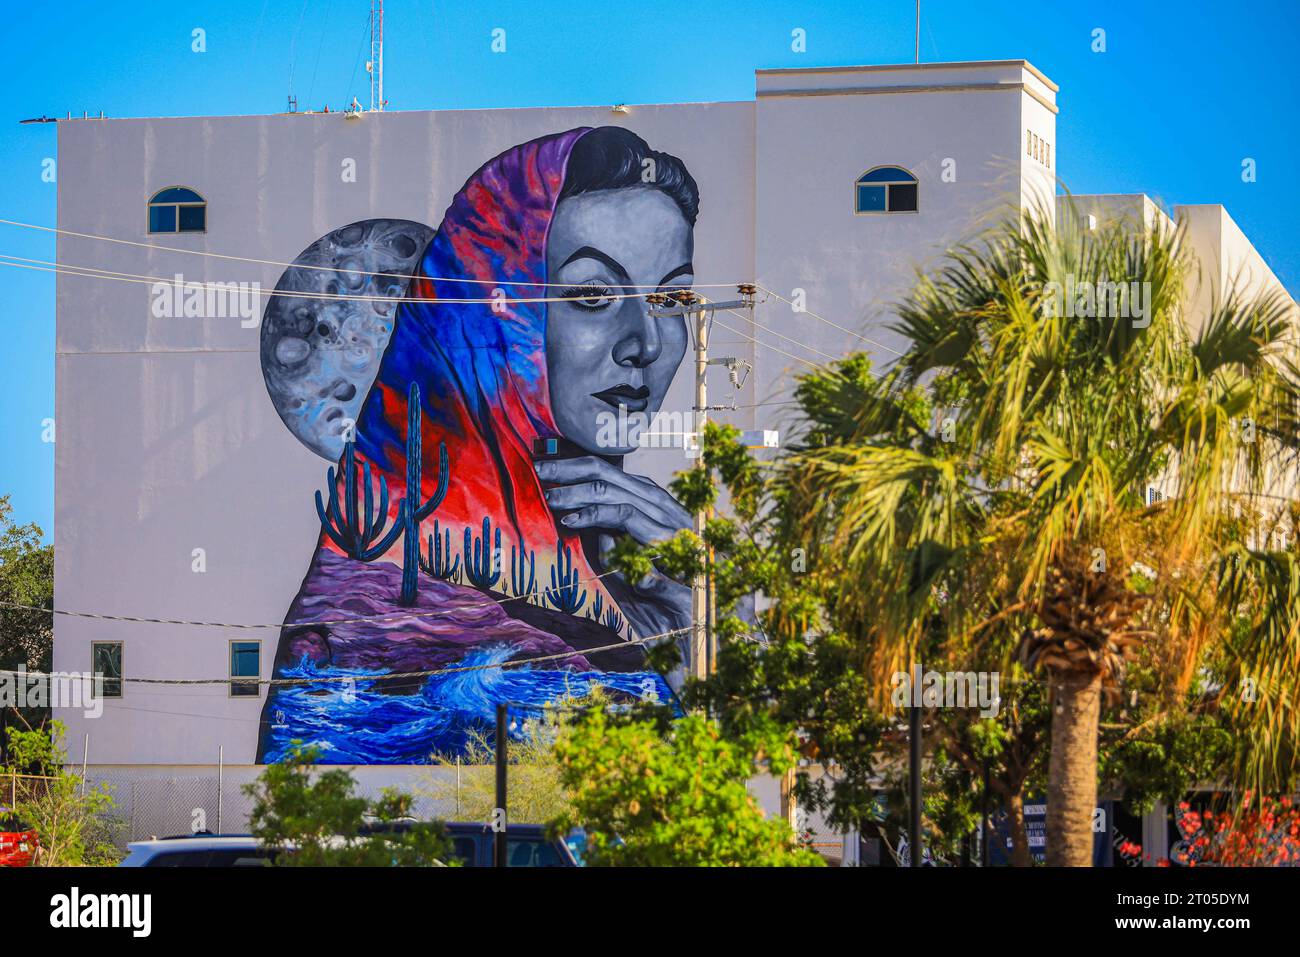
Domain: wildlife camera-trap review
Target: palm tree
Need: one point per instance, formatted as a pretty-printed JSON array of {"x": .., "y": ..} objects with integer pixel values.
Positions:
[{"x": 996, "y": 479}]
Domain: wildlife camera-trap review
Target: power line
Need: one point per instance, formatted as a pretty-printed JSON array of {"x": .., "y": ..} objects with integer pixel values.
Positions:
[
  {"x": 93, "y": 272},
  {"x": 835, "y": 325},
  {"x": 758, "y": 325},
  {"x": 290, "y": 265},
  {"x": 391, "y": 676},
  {"x": 103, "y": 616},
  {"x": 767, "y": 344}
]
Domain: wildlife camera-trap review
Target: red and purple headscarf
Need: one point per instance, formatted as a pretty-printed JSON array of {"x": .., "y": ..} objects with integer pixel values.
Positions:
[{"x": 481, "y": 366}]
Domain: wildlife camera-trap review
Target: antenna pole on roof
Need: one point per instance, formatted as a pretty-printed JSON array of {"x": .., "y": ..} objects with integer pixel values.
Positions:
[
  {"x": 918, "y": 31},
  {"x": 376, "y": 64}
]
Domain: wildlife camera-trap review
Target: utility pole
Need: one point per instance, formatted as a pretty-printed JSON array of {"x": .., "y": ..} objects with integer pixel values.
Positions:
[
  {"x": 914, "y": 768},
  {"x": 376, "y": 65},
  {"x": 698, "y": 313},
  {"x": 499, "y": 819}
]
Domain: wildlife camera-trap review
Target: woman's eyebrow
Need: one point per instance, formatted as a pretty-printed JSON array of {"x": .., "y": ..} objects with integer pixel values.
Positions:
[
  {"x": 685, "y": 269},
  {"x": 591, "y": 252}
]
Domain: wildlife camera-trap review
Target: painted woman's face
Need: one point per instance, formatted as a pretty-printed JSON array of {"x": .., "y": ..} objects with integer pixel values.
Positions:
[{"x": 604, "y": 354}]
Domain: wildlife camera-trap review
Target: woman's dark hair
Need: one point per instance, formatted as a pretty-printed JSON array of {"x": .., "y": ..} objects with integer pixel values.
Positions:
[{"x": 610, "y": 157}]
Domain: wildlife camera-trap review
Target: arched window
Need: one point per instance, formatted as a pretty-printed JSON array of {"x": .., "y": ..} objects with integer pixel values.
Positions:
[
  {"x": 177, "y": 209},
  {"x": 886, "y": 189}
]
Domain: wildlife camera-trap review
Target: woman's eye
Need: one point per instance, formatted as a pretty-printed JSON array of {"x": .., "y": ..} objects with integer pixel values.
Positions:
[{"x": 589, "y": 297}]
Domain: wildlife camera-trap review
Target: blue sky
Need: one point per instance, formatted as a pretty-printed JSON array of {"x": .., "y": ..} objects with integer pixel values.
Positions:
[{"x": 1185, "y": 90}]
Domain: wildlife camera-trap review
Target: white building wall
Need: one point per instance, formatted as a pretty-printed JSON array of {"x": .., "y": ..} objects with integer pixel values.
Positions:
[{"x": 959, "y": 128}]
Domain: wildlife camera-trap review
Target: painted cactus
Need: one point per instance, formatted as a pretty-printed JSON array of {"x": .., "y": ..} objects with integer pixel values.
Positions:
[
  {"x": 358, "y": 528},
  {"x": 594, "y": 611},
  {"x": 414, "y": 511},
  {"x": 613, "y": 620},
  {"x": 524, "y": 585},
  {"x": 483, "y": 562},
  {"x": 565, "y": 592},
  {"x": 441, "y": 563}
]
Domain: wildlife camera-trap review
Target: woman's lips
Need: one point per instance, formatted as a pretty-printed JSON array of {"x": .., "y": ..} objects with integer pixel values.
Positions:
[{"x": 633, "y": 399}]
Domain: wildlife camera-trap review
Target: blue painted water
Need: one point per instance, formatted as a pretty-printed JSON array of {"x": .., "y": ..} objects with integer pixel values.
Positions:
[{"x": 353, "y": 723}]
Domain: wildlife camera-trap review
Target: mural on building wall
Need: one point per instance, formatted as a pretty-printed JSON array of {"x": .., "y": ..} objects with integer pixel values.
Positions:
[{"x": 451, "y": 537}]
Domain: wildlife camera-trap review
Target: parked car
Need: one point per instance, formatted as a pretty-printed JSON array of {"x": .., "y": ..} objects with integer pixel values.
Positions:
[
  {"x": 18, "y": 842},
  {"x": 200, "y": 850},
  {"x": 527, "y": 845}
]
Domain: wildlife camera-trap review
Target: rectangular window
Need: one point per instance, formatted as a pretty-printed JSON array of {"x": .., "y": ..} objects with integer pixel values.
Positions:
[
  {"x": 245, "y": 662},
  {"x": 162, "y": 219},
  {"x": 106, "y": 663}
]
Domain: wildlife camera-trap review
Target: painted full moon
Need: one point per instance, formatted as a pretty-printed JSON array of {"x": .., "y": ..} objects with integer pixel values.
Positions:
[{"x": 320, "y": 355}]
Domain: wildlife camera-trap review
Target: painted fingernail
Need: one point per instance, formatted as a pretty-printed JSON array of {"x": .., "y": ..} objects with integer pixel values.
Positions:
[{"x": 569, "y": 519}]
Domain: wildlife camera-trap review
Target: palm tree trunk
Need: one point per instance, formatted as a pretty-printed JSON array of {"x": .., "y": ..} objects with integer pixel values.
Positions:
[
  {"x": 1072, "y": 771},
  {"x": 1016, "y": 828}
]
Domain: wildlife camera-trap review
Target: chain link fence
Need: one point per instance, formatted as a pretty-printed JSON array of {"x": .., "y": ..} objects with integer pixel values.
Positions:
[{"x": 150, "y": 804}]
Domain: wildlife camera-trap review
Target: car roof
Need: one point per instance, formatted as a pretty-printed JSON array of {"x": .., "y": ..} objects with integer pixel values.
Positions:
[
  {"x": 196, "y": 843},
  {"x": 526, "y": 830}
]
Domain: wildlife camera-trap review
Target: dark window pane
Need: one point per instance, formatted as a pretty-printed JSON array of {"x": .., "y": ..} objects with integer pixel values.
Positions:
[
  {"x": 162, "y": 219},
  {"x": 464, "y": 848},
  {"x": 238, "y": 858},
  {"x": 179, "y": 859},
  {"x": 887, "y": 174},
  {"x": 871, "y": 199},
  {"x": 244, "y": 659},
  {"x": 194, "y": 219},
  {"x": 902, "y": 199},
  {"x": 176, "y": 194},
  {"x": 107, "y": 661},
  {"x": 532, "y": 853}
]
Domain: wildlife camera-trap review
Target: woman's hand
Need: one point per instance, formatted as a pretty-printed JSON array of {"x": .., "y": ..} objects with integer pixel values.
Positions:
[{"x": 590, "y": 493}]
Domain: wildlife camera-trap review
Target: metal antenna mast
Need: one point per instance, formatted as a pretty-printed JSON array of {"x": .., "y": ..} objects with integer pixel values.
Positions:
[{"x": 376, "y": 65}]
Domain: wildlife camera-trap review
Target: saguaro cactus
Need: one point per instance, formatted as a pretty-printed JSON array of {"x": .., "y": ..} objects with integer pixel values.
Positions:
[
  {"x": 565, "y": 593},
  {"x": 594, "y": 611},
  {"x": 523, "y": 585},
  {"x": 413, "y": 510},
  {"x": 483, "y": 565},
  {"x": 440, "y": 563},
  {"x": 361, "y": 536}
]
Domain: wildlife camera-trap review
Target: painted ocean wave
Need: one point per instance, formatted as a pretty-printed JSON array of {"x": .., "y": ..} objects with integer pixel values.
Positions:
[{"x": 355, "y": 723}]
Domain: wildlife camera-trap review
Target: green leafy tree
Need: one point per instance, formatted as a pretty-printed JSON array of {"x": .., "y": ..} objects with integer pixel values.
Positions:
[
  {"x": 26, "y": 636},
  {"x": 651, "y": 792},
  {"x": 781, "y": 662},
  {"x": 1015, "y": 511},
  {"x": 71, "y": 819},
  {"x": 537, "y": 795},
  {"x": 315, "y": 819}
]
